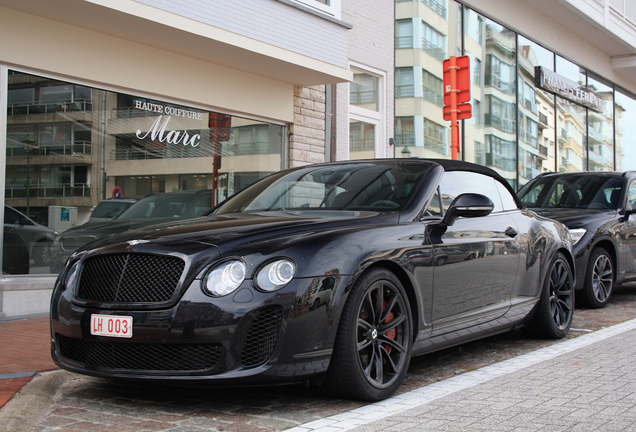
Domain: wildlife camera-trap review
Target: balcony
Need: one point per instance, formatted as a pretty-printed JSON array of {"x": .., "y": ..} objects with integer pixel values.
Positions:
[
  {"x": 47, "y": 191},
  {"x": 543, "y": 121},
  {"x": 78, "y": 148},
  {"x": 404, "y": 91},
  {"x": 433, "y": 50},
  {"x": 50, "y": 107},
  {"x": 361, "y": 144},
  {"x": 433, "y": 96},
  {"x": 405, "y": 139}
]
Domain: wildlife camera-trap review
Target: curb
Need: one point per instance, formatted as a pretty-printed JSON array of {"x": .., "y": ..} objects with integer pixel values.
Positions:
[{"x": 32, "y": 401}]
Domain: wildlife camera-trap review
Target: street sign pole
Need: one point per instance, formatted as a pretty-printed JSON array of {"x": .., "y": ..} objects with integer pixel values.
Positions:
[
  {"x": 453, "y": 111},
  {"x": 456, "y": 96}
]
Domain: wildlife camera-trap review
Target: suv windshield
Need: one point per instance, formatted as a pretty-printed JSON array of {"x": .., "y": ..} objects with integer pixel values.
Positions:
[
  {"x": 354, "y": 187},
  {"x": 573, "y": 191}
]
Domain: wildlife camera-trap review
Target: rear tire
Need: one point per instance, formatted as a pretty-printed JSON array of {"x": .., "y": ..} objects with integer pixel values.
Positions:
[
  {"x": 599, "y": 279},
  {"x": 555, "y": 309},
  {"x": 373, "y": 345}
]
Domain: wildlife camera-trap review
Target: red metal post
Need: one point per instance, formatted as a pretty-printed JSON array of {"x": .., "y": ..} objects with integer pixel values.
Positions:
[{"x": 453, "y": 108}]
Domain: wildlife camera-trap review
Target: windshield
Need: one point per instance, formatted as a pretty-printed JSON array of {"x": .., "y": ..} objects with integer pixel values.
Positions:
[
  {"x": 573, "y": 191},
  {"x": 354, "y": 187},
  {"x": 110, "y": 209},
  {"x": 170, "y": 205}
]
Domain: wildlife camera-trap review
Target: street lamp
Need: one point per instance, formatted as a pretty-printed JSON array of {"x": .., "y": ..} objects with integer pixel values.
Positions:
[
  {"x": 28, "y": 144},
  {"x": 406, "y": 152}
]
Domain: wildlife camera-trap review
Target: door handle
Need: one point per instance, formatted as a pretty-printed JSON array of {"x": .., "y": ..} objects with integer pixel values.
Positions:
[{"x": 511, "y": 232}]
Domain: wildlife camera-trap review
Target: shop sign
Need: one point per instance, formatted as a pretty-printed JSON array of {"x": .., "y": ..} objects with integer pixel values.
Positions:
[
  {"x": 554, "y": 83},
  {"x": 157, "y": 131}
]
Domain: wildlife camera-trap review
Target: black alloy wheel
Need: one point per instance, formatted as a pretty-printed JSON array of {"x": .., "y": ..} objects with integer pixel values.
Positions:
[
  {"x": 374, "y": 341},
  {"x": 599, "y": 279},
  {"x": 555, "y": 309}
]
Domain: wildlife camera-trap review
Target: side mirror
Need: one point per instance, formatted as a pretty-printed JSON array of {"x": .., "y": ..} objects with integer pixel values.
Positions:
[
  {"x": 629, "y": 209},
  {"x": 468, "y": 205}
]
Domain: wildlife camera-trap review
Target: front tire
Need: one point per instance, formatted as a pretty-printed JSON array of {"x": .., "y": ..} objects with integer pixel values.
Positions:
[
  {"x": 599, "y": 279},
  {"x": 373, "y": 345},
  {"x": 555, "y": 309}
]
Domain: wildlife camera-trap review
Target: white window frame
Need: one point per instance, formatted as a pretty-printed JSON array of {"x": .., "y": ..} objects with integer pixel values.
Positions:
[
  {"x": 332, "y": 9},
  {"x": 376, "y": 118}
]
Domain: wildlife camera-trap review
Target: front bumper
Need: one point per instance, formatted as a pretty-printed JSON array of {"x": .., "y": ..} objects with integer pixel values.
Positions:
[{"x": 245, "y": 337}]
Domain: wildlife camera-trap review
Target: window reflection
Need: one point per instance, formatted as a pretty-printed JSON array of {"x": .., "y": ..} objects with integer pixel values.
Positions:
[
  {"x": 600, "y": 131},
  {"x": 491, "y": 48},
  {"x": 625, "y": 132},
  {"x": 535, "y": 113},
  {"x": 70, "y": 146},
  {"x": 425, "y": 36}
]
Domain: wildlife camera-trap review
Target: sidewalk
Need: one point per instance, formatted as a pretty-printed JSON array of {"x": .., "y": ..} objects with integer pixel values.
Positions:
[
  {"x": 583, "y": 384},
  {"x": 25, "y": 350}
]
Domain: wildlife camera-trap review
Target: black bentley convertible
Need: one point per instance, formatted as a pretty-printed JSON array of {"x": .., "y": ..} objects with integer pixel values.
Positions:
[{"x": 333, "y": 274}]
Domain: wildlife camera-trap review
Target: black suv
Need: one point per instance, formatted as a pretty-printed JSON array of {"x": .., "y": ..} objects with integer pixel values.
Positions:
[
  {"x": 150, "y": 210},
  {"x": 597, "y": 207}
]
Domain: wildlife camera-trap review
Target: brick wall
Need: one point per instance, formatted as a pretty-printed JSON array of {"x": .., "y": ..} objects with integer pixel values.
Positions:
[{"x": 307, "y": 134}]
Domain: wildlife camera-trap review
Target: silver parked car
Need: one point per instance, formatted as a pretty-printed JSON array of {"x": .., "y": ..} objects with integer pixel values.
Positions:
[{"x": 38, "y": 238}]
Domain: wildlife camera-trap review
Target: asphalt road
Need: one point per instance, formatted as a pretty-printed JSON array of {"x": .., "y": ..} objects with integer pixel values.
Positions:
[{"x": 85, "y": 403}]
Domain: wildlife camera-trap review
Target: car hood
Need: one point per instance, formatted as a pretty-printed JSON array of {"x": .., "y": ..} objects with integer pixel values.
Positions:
[
  {"x": 576, "y": 218},
  {"x": 228, "y": 231},
  {"x": 112, "y": 226}
]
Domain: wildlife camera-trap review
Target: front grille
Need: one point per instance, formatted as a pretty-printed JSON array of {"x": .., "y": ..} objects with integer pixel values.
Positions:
[
  {"x": 139, "y": 357},
  {"x": 130, "y": 278},
  {"x": 261, "y": 337}
]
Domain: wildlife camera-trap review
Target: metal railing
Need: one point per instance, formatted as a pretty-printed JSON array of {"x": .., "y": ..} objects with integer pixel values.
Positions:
[
  {"x": 433, "y": 96},
  {"x": 47, "y": 191},
  {"x": 50, "y": 107},
  {"x": 77, "y": 148},
  {"x": 361, "y": 144},
  {"x": 403, "y": 91},
  {"x": 433, "y": 50}
]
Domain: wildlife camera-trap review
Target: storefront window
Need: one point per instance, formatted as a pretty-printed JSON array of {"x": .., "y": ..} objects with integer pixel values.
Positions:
[
  {"x": 625, "y": 116},
  {"x": 535, "y": 113},
  {"x": 494, "y": 144},
  {"x": 70, "y": 146},
  {"x": 600, "y": 130}
]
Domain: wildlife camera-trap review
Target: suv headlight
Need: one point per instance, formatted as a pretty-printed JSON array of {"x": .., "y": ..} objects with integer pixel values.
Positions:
[
  {"x": 276, "y": 275},
  {"x": 577, "y": 234},
  {"x": 225, "y": 278}
]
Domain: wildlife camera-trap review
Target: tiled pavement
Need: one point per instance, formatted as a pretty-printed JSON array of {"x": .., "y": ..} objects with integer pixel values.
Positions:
[
  {"x": 25, "y": 349},
  {"x": 583, "y": 384},
  {"x": 60, "y": 401}
]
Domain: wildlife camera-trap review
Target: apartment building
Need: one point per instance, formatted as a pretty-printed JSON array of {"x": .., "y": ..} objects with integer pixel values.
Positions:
[{"x": 553, "y": 83}]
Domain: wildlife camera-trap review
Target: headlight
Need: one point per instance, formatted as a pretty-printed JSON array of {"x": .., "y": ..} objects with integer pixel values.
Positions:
[
  {"x": 225, "y": 278},
  {"x": 275, "y": 275},
  {"x": 577, "y": 234}
]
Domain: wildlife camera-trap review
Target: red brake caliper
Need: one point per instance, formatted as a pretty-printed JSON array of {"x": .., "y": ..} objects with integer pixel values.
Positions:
[{"x": 391, "y": 333}]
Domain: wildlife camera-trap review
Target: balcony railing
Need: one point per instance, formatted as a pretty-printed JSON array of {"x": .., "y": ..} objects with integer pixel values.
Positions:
[
  {"x": 47, "y": 191},
  {"x": 403, "y": 91},
  {"x": 433, "y": 96},
  {"x": 78, "y": 148},
  {"x": 361, "y": 144},
  {"x": 50, "y": 107},
  {"x": 433, "y": 50},
  {"x": 404, "y": 42},
  {"x": 435, "y": 143},
  {"x": 405, "y": 139},
  {"x": 362, "y": 97}
]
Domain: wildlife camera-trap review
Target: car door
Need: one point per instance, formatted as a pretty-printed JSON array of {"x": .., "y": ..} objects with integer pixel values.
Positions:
[{"x": 474, "y": 261}]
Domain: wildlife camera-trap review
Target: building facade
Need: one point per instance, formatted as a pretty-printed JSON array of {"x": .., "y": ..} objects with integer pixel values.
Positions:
[
  {"x": 103, "y": 100},
  {"x": 552, "y": 83}
]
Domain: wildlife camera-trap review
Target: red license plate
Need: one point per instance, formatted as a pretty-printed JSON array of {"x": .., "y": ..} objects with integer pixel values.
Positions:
[{"x": 111, "y": 325}]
